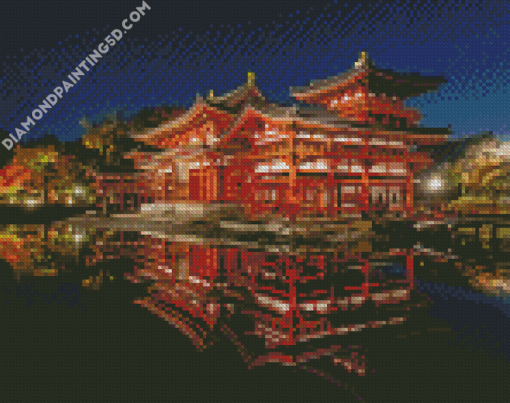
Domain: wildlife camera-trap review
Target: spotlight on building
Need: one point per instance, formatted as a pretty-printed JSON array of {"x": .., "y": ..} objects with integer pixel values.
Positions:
[{"x": 433, "y": 185}]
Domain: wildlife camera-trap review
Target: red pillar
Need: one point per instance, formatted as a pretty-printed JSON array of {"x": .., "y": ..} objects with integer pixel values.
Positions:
[
  {"x": 365, "y": 176},
  {"x": 331, "y": 188},
  {"x": 409, "y": 189},
  {"x": 410, "y": 268},
  {"x": 366, "y": 284},
  {"x": 121, "y": 194}
]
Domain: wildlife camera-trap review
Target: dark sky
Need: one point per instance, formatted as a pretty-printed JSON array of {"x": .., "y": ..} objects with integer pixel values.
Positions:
[
  {"x": 38, "y": 24},
  {"x": 180, "y": 48}
]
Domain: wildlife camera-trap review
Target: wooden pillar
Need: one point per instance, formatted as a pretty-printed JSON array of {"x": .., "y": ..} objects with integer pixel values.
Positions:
[
  {"x": 410, "y": 268},
  {"x": 364, "y": 187},
  {"x": 364, "y": 177},
  {"x": 208, "y": 194},
  {"x": 409, "y": 188},
  {"x": 183, "y": 268},
  {"x": 292, "y": 175},
  {"x": 331, "y": 188},
  {"x": 366, "y": 284},
  {"x": 121, "y": 193},
  {"x": 291, "y": 275}
]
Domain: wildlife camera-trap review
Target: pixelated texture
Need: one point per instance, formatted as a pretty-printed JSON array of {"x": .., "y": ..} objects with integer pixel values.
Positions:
[{"x": 298, "y": 224}]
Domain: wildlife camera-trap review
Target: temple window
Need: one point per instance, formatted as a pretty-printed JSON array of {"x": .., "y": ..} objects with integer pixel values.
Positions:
[
  {"x": 343, "y": 167},
  {"x": 274, "y": 166},
  {"x": 378, "y": 142},
  {"x": 395, "y": 196},
  {"x": 378, "y": 195},
  {"x": 356, "y": 168},
  {"x": 379, "y": 168},
  {"x": 396, "y": 168},
  {"x": 303, "y": 135},
  {"x": 319, "y": 165},
  {"x": 350, "y": 166},
  {"x": 320, "y": 136}
]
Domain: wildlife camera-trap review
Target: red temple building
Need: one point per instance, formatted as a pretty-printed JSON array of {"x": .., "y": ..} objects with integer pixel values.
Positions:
[{"x": 352, "y": 150}]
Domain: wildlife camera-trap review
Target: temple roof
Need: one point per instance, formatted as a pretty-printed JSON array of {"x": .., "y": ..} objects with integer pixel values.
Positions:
[
  {"x": 380, "y": 81},
  {"x": 185, "y": 118},
  {"x": 318, "y": 118},
  {"x": 230, "y": 110},
  {"x": 233, "y": 101},
  {"x": 199, "y": 112}
]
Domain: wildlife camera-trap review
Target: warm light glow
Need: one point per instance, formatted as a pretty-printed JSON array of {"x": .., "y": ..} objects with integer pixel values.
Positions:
[
  {"x": 32, "y": 202},
  {"x": 435, "y": 184},
  {"x": 79, "y": 190}
]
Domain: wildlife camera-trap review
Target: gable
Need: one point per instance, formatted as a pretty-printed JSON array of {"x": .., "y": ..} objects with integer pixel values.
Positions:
[
  {"x": 202, "y": 127},
  {"x": 254, "y": 130}
]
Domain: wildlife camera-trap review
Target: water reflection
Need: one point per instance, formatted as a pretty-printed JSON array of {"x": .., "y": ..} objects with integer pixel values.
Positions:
[
  {"x": 476, "y": 251},
  {"x": 66, "y": 293},
  {"x": 290, "y": 306},
  {"x": 43, "y": 249}
]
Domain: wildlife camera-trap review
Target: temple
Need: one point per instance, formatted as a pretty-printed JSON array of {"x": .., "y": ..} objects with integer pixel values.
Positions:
[
  {"x": 292, "y": 250},
  {"x": 352, "y": 149}
]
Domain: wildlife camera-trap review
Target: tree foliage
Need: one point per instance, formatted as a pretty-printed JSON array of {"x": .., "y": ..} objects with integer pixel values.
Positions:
[{"x": 42, "y": 175}]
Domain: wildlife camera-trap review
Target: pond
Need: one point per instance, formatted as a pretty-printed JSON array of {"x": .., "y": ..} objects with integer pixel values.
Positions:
[{"x": 311, "y": 307}]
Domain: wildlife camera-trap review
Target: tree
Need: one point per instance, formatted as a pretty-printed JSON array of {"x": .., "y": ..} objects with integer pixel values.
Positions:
[
  {"x": 42, "y": 175},
  {"x": 110, "y": 140},
  {"x": 481, "y": 177}
]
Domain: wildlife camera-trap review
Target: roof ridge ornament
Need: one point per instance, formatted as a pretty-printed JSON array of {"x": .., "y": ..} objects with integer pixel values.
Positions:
[
  {"x": 251, "y": 78},
  {"x": 363, "y": 61}
]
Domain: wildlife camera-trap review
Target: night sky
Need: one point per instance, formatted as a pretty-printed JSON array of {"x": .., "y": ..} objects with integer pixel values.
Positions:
[
  {"x": 80, "y": 351},
  {"x": 180, "y": 48}
]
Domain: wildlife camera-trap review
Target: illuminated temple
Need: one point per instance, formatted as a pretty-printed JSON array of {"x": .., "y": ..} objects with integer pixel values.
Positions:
[{"x": 351, "y": 149}]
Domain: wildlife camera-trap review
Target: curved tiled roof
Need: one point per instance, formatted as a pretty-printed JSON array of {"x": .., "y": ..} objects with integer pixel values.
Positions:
[
  {"x": 233, "y": 101},
  {"x": 379, "y": 81}
]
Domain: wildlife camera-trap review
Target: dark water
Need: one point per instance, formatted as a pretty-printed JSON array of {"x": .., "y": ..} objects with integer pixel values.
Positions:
[
  {"x": 97, "y": 346},
  {"x": 47, "y": 215},
  {"x": 61, "y": 341}
]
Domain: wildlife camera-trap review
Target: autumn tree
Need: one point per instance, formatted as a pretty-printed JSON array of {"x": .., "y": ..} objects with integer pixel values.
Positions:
[
  {"x": 111, "y": 139},
  {"x": 43, "y": 175}
]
